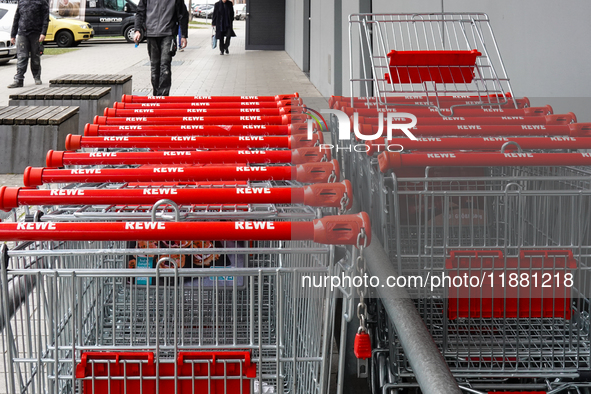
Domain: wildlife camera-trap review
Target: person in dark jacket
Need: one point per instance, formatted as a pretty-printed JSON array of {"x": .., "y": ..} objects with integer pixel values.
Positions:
[
  {"x": 222, "y": 19},
  {"x": 160, "y": 20},
  {"x": 30, "y": 24}
]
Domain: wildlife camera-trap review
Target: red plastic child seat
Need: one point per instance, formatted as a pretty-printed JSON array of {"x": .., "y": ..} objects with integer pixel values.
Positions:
[
  {"x": 436, "y": 66},
  {"x": 542, "y": 288},
  {"x": 198, "y": 372}
]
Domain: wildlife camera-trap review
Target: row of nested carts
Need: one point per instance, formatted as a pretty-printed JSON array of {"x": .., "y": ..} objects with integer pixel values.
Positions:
[
  {"x": 179, "y": 245},
  {"x": 481, "y": 200},
  {"x": 181, "y": 242}
]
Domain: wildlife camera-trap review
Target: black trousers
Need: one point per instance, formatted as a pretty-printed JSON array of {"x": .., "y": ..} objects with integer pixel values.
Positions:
[
  {"x": 26, "y": 45},
  {"x": 225, "y": 41},
  {"x": 159, "y": 50}
]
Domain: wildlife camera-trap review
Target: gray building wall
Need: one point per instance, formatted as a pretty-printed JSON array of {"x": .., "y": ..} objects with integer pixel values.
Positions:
[
  {"x": 543, "y": 43},
  {"x": 294, "y": 31},
  {"x": 322, "y": 45}
]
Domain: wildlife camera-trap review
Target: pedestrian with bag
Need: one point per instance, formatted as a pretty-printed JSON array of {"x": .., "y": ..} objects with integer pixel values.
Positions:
[
  {"x": 160, "y": 20},
  {"x": 223, "y": 19},
  {"x": 30, "y": 23}
]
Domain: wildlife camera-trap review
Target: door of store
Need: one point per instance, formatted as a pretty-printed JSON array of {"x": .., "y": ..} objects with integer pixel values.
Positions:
[{"x": 265, "y": 25}]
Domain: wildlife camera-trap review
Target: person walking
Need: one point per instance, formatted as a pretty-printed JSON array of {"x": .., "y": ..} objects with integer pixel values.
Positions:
[
  {"x": 28, "y": 31},
  {"x": 160, "y": 21},
  {"x": 222, "y": 19}
]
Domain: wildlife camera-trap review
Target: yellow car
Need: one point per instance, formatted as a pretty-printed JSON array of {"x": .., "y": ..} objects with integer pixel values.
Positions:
[{"x": 67, "y": 32}]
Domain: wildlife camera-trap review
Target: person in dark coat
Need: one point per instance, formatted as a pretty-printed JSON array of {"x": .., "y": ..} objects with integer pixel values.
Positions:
[
  {"x": 160, "y": 20},
  {"x": 222, "y": 19},
  {"x": 30, "y": 23}
]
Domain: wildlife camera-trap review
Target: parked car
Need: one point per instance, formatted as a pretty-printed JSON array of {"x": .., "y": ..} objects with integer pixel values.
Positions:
[
  {"x": 196, "y": 9},
  {"x": 107, "y": 17},
  {"x": 112, "y": 17},
  {"x": 240, "y": 12},
  {"x": 67, "y": 32},
  {"x": 7, "y": 50},
  {"x": 206, "y": 12}
]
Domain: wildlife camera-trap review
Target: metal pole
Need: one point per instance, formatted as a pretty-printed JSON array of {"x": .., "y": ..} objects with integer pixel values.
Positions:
[
  {"x": 10, "y": 351},
  {"x": 429, "y": 367}
]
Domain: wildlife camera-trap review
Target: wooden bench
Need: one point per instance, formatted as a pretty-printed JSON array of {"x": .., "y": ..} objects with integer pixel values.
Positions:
[
  {"x": 119, "y": 84},
  {"x": 27, "y": 133},
  {"x": 91, "y": 100}
]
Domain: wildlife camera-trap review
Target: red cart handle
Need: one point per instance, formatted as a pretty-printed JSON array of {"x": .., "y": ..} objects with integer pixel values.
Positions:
[
  {"x": 75, "y": 142},
  {"x": 305, "y": 173},
  {"x": 58, "y": 159},
  {"x": 333, "y": 100},
  {"x": 476, "y": 143},
  {"x": 275, "y": 105},
  {"x": 208, "y": 112},
  {"x": 126, "y": 98},
  {"x": 499, "y": 131},
  {"x": 316, "y": 195},
  {"x": 443, "y": 102},
  {"x": 458, "y": 111},
  {"x": 490, "y": 120},
  {"x": 202, "y": 120},
  {"x": 330, "y": 230},
  {"x": 94, "y": 130},
  {"x": 391, "y": 160}
]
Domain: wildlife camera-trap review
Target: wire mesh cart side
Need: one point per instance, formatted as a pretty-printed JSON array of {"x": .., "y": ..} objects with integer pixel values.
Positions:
[{"x": 498, "y": 223}]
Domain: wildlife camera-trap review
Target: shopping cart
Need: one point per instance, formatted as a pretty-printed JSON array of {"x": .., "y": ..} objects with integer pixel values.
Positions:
[
  {"x": 91, "y": 325},
  {"x": 435, "y": 64},
  {"x": 490, "y": 215},
  {"x": 524, "y": 221}
]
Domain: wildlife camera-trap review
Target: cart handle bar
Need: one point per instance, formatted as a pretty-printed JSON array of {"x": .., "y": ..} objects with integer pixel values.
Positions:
[
  {"x": 58, "y": 159},
  {"x": 316, "y": 195},
  {"x": 287, "y": 106},
  {"x": 330, "y": 230},
  {"x": 556, "y": 119},
  {"x": 333, "y": 100},
  {"x": 75, "y": 142},
  {"x": 476, "y": 143},
  {"x": 205, "y": 112},
  {"x": 126, "y": 98},
  {"x": 246, "y": 119},
  {"x": 95, "y": 130},
  {"x": 305, "y": 173},
  {"x": 458, "y": 111},
  {"x": 394, "y": 160},
  {"x": 445, "y": 101},
  {"x": 500, "y": 131}
]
